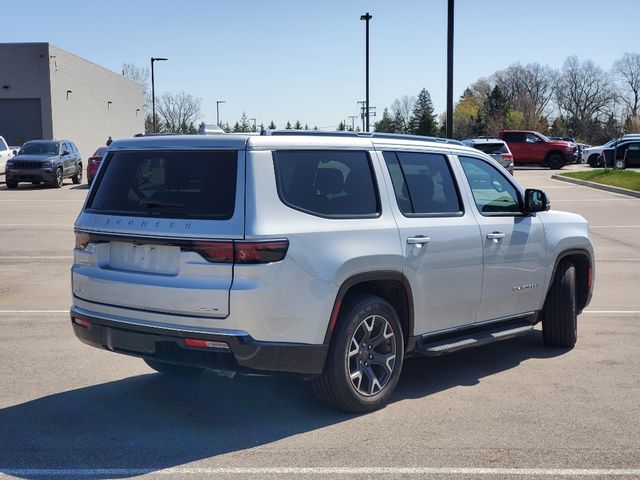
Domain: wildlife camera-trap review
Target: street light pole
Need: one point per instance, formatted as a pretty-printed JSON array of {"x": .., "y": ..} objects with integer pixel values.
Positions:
[
  {"x": 153, "y": 92},
  {"x": 450, "y": 70},
  {"x": 218, "y": 102},
  {"x": 366, "y": 18}
]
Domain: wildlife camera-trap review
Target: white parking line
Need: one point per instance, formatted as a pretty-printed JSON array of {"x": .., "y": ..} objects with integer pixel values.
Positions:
[
  {"x": 35, "y": 257},
  {"x": 614, "y": 226},
  {"x": 417, "y": 471},
  {"x": 613, "y": 312},
  {"x": 68, "y": 225},
  {"x": 17, "y": 312}
]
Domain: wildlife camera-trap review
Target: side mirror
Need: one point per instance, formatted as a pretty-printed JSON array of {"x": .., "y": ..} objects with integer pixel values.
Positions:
[
  {"x": 15, "y": 152},
  {"x": 535, "y": 201},
  {"x": 65, "y": 152}
]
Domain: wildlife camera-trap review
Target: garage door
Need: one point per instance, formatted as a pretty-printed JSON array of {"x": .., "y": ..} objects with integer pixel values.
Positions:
[{"x": 20, "y": 119}]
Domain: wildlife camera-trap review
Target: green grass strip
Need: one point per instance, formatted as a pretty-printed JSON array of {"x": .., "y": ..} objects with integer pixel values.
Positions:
[{"x": 617, "y": 178}]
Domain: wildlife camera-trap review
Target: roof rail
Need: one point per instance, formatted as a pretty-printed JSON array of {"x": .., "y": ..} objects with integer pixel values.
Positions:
[{"x": 397, "y": 136}]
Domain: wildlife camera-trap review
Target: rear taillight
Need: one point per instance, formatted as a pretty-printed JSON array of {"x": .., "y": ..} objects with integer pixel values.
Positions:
[
  {"x": 82, "y": 240},
  {"x": 241, "y": 252},
  {"x": 260, "y": 252},
  {"x": 507, "y": 156},
  {"x": 215, "y": 252},
  {"x": 81, "y": 323},
  {"x": 95, "y": 160}
]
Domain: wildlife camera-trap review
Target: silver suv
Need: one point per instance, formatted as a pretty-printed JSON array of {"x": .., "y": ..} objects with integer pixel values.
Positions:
[{"x": 330, "y": 256}]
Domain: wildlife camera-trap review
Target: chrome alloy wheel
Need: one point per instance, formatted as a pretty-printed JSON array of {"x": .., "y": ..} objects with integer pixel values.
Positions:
[{"x": 371, "y": 356}]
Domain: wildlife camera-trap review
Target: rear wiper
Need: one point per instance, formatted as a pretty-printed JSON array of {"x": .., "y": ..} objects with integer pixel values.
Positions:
[{"x": 145, "y": 202}]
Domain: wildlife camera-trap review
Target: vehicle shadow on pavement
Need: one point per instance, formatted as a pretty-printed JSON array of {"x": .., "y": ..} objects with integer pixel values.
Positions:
[
  {"x": 154, "y": 421},
  {"x": 424, "y": 376}
]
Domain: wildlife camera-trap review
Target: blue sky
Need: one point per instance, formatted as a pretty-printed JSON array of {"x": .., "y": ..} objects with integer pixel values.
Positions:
[{"x": 301, "y": 60}]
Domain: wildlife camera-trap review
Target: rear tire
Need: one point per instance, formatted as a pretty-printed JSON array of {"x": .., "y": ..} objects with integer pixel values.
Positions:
[
  {"x": 555, "y": 161},
  {"x": 620, "y": 164},
  {"x": 172, "y": 368},
  {"x": 365, "y": 357},
  {"x": 12, "y": 185},
  {"x": 559, "y": 322},
  {"x": 593, "y": 160},
  {"x": 77, "y": 177}
]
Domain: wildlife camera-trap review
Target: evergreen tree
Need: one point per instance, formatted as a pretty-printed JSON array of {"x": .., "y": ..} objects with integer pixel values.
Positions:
[
  {"x": 341, "y": 127},
  {"x": 385, "y": 124},
  {"x": 237, "y": 128},
  {"x": 306, "y": 126},
  {"x": 244, "y": 123},
  {"x": 272, "y": 126},
  {"x": 288, "y": 127},
  {"x": 315, "y": 127},
  {"x": 298, "y": 125},
  {"x": 423, "y": 120}
]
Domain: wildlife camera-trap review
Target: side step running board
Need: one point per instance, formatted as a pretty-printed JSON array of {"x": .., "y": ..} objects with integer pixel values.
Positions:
[{"x": 490, "y": 335}]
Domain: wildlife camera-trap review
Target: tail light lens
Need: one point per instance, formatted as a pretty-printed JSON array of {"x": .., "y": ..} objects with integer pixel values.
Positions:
[
  {"x": 260, "y": 252},
  {"x": 215, "y": 252},
  {"x": 507, "y": 156}
]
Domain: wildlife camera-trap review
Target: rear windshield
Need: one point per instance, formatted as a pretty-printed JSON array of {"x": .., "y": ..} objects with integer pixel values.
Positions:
[
  {"x": 199, "y": 185},
  {"x": 492, "y": 148}
]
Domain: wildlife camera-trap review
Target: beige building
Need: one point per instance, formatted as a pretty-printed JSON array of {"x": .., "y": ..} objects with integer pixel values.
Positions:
[{"x": 47, "y": 92}]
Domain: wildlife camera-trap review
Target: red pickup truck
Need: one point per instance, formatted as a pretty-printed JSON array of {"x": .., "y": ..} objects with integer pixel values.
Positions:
[{"x": 529, "y": 147}]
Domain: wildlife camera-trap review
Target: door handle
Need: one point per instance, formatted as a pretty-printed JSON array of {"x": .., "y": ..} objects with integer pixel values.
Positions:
[
  {"x": 418, "y": 240},
  {"x": 495, "y": 236}
]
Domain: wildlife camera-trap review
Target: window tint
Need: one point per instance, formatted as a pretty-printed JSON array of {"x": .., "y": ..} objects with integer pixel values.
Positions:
[
  {"x": 492, "y": 148},
  {"x": 514, "y": 137},
  {"x": 199, "y": 185},
  {"x": 634, "y": 146},
  {"x": 531, "y": 138},
  {"x": 3, "y": 145},
  {"x": 326, "y": 183},
  {"x": 492, "y": 192},
  {"x": 423, "y": 183}
]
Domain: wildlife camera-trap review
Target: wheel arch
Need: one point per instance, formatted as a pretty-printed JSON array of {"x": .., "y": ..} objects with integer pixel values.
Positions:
[
  {"x": 390, "y": 285},
  {"x": 554, "y": 152},
  {"x": 583, "y": 263}
]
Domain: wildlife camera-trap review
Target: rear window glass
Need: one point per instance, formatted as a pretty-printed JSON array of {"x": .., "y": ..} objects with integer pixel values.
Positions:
[
  {"x": 327, "y": 183},
  {"x": 199, "y": 185},
  {"x": 491, "y": 148}
]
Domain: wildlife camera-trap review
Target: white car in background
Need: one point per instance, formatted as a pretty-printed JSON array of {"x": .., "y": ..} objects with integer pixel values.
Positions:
[
  {"x": 6, "y": 153},
  {"x": 590, "y": 155}
]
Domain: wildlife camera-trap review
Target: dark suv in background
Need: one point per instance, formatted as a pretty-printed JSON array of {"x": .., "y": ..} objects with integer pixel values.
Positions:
[
  {"x": 530, "y": 147},
  {"x": 45, "y": 161}
]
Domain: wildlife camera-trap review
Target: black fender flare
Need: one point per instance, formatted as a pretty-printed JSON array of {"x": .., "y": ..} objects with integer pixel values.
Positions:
[{"x": 368, "y": 277}]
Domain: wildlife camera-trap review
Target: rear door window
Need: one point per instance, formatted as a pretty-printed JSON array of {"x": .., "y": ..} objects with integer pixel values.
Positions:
[
  {"x": 515, "y": 137},
  {"x": 198, "y": 185},
  {"x": 423, "y": 184}
]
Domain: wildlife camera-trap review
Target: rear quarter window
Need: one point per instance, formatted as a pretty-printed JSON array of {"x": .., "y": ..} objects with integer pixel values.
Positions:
[
  {"x": 327, "y": 183},
  {"x": 198, "y": 185}
]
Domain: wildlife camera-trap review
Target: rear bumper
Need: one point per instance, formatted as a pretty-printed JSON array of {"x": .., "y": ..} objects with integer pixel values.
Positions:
[{"x": 243, "y": 355}]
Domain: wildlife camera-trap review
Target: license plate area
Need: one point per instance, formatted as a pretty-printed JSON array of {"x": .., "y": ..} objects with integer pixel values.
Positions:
[{"x": 147, "y": 258}]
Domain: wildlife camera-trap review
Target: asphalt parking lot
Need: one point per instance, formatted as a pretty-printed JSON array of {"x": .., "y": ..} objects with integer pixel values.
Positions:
[{"x": 515, "y": 409}]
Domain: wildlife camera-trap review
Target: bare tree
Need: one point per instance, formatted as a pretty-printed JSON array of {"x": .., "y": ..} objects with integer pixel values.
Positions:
[
  {"x": 584, "y": 94},
  {"x": 178, "y": 112},
  {"x": 140, "y": 75},
  {"x": 627, "y": 74},
  {"x": 401, "y": 110},
  {"x": 529, "y": 90}
]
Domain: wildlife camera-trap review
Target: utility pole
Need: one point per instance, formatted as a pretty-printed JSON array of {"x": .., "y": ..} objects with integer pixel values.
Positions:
[
  {"x": 218, "y": 102},
  {"x": 363, "y": 109},
  {"x": 353, "y": 122},
  {"x": 366, "y": 18}
]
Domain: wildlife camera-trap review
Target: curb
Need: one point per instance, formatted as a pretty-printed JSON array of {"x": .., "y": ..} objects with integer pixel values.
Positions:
[{"x": 599, "y": 186}]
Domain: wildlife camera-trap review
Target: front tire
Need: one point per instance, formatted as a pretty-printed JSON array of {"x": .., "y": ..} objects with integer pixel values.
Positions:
[
  {"x": 172, "y": 368},
  {"x": 77, "y": 177},
  {"x": 592, "y": 161},
  {"x": 559, "y": 322},
  {"x": 59, "y": 180},
  {"x": 555, "y": 161},
  {"x": 620, "y": 164},
  {"x": 365, "y": 357}
]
